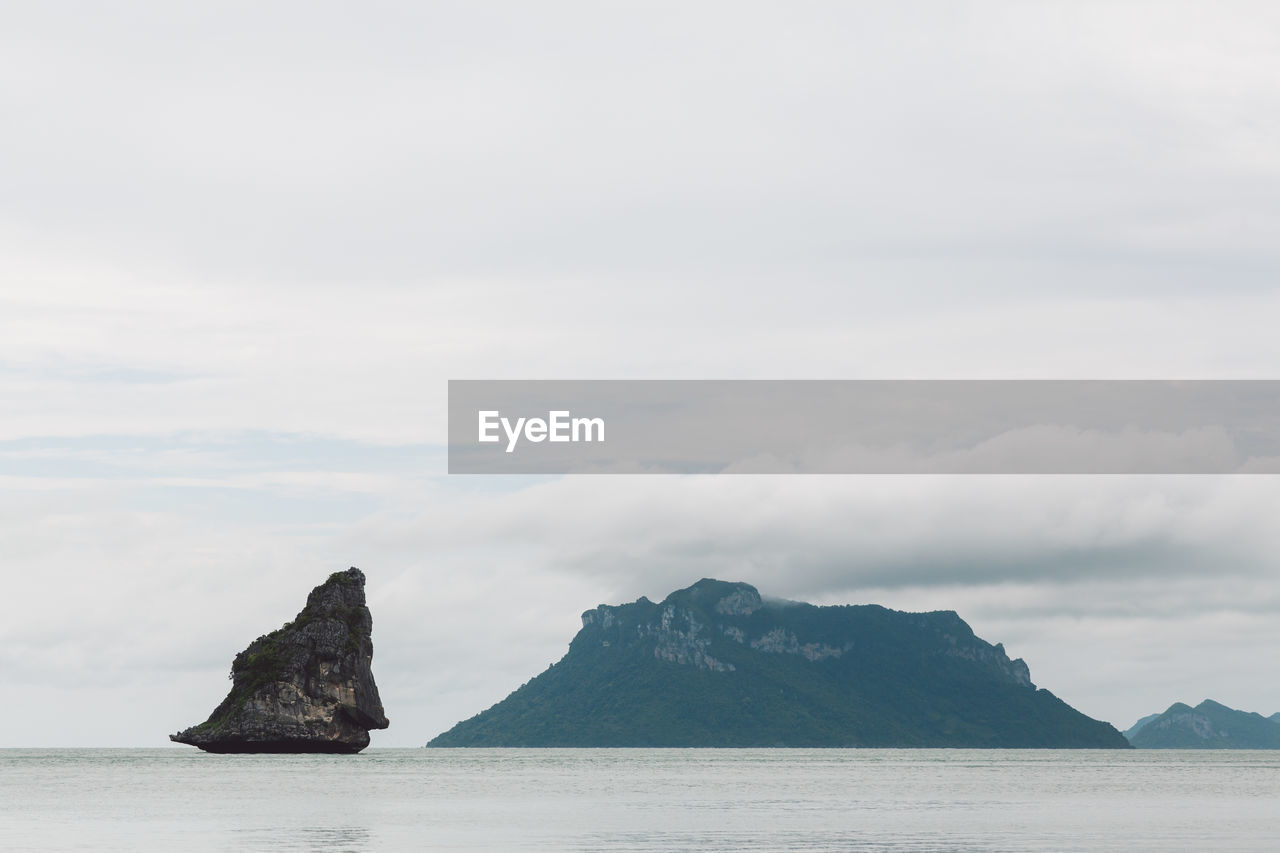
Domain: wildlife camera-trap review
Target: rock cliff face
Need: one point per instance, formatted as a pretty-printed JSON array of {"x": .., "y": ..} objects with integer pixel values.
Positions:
[
  {"x": 716, "y": 665},
  {"x": 306, "y": 687}
]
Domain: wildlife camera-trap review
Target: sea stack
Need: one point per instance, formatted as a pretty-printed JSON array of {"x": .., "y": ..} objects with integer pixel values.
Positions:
[{"x": 306, "y": 687}]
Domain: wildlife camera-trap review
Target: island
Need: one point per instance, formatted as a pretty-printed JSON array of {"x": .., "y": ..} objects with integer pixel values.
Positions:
[
  {"x": 1209, "y": 725},
  {"x": 716, "y": 665},
  {"x": 305, "y": 687}
]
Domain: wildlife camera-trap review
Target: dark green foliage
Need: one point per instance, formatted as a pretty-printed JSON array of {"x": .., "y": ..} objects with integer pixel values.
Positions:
[
  {"x": 260, "y": 664},
  {"x": 257, "y": 665},
  {"x": 895, "y": 681}
]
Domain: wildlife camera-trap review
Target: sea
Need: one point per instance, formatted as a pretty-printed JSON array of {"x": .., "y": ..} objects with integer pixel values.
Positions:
[{"x": 640, "y": 800}]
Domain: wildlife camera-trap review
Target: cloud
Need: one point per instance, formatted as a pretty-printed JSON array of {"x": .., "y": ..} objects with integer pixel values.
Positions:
[
  {"x": 242, "y": 248},
  {"x": 422, "y": 146},
  {"x": 816, "y": 534}
]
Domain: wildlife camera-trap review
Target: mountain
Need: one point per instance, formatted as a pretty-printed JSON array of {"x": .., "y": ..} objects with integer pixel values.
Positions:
[
  {"x": 714, "y": 665},
  {"x": 305, "y": 687},
  {"x": 1137, "y": 727},
  {"x": 1208, "y": 725}
]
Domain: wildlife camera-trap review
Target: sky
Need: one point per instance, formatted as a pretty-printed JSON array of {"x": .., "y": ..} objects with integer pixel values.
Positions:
[{"x": 243, "y": 248}]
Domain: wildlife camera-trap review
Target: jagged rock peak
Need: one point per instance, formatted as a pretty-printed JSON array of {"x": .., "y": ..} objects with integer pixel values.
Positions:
[
  {"x": 726, "y": 598},
  {"x": 305, "y": 687}
]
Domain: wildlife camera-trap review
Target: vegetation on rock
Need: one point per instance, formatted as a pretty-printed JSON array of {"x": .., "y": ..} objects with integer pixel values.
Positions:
[{"x": 715, "y": 665}]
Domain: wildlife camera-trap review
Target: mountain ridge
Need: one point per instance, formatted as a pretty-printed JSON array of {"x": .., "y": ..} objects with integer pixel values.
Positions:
[
  {"x": 715, "y": 664},
  {"x": 1209, "y": 725}
]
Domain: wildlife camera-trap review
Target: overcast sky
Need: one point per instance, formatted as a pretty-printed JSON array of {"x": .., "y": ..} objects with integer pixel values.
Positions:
[{"x": 243, "y": 247}]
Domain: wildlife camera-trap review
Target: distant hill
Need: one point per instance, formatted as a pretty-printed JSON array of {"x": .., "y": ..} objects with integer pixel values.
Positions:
[
  {"x": 1137, "y": 727},
  {"x": 1209, "y": 725},
  {"x": 714, "y": 665}
]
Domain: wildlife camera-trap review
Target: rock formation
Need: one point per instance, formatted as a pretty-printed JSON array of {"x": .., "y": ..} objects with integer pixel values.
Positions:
[
  {"x": 306, "y": 687},
  {"x": 717, "y": 665}
]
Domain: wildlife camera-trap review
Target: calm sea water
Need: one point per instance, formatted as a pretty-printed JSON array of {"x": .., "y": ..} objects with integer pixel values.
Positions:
[{"x": 640, "y": 800}]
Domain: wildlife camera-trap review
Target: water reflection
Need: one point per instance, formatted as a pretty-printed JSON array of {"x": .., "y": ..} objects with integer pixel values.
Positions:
[{"x": 331, "y": 839}]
